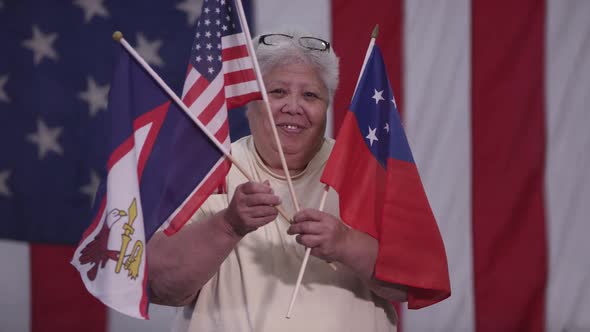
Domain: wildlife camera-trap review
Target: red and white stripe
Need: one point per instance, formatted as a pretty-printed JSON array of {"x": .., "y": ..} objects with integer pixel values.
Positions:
[
  {"x": 210, "y": 101},
  {"x": 495, "y": 99},
  {"x": 494, "y": 109}
]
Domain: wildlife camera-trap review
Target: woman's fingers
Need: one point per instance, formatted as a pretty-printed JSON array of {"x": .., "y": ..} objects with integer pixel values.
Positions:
[
  {"x": 308, "y": 215},
  {"x": 320, "y": 231},
  {"x": 252, "y": 205},
  {"x": 262, "y": 211},
  {"x": 306, "y": 227},
  {"x": 265, "y": 199},
  {"x": 309, "y": 240}
]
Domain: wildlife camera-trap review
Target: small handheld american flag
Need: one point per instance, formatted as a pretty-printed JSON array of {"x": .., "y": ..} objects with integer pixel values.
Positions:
[
  {"x": 220, "y": 77},
  {"x": 220, "y": 73}
]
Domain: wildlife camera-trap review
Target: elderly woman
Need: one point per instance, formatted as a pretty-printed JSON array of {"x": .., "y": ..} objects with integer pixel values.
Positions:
[{"x": 235, "y": 265}]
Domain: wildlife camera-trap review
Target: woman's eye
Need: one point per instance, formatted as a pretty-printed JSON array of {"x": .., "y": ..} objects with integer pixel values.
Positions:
[
  {"x": 310, "y": 95},
  {"x": 278, "y": 92}
]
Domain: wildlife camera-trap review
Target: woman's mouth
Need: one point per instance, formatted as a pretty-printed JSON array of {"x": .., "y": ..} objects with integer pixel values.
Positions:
[{"x": 290, "y": 128}]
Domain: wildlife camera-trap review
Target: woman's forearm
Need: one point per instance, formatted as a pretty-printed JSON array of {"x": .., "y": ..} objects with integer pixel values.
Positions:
[
  {"x": 360, "y": 255},
  {"x": 181, "y": 264}
]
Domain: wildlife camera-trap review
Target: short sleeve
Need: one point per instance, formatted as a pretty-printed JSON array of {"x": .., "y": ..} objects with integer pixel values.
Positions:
[{"x": 212, "y": 205}]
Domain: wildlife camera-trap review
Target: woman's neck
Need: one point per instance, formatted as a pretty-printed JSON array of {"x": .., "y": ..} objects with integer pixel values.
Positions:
[
  {"x": 281, "y": 172},
  {"x": 275, "y": 166}
]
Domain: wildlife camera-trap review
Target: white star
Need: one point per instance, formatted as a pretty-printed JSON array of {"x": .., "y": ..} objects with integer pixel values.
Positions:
[
  {"x": 206, "y": 10},
  {"x": 386, "y": 127},
  {"x": 41, "y": 45},
  {"x": 46, "y": 139},
  {"x": 207, "y": 22},
  {"x": 224, "y": 27},
  {"x": 372, "y": 137},
  {"x": 95, "y": 95},
  {"x": 210, "y": 70},
  {"x": 91, "y": 188},
  {"x": 208, "y": 34},
  {"x": 209, "y": 58},
  {"x": 149, "y": 50},
  {"x": 198, "y": 58},
  {"x": 209, "y": 46},
  {"x": 92, "y": 8},
  {"x": 218, "y": 22},
  {"x": 192, "y": 9},
  {"x": 378, "y": 96},
  {"x": 4, "y": 190},
  {"x": 394, "y": 103},
  {"x": 3, "y": 96}
]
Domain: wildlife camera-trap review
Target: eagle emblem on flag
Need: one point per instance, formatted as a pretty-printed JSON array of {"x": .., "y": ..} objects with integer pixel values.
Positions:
[{"x": 97, "y": 251}]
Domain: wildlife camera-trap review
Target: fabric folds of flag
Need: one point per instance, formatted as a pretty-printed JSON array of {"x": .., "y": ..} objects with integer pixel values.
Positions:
[
  {"x": 137, "y": 196},
  {"x": 381, "y": 193},
  {"x": 220, "y": 77}
]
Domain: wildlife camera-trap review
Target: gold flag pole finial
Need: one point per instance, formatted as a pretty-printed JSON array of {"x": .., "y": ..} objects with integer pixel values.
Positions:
[
  {"x": 117, "y": 36},
  {"x": 375, "y": 32}
]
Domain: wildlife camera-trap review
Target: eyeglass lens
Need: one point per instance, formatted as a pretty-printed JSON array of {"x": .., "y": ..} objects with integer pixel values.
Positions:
[{"x": 311, "y": 43}]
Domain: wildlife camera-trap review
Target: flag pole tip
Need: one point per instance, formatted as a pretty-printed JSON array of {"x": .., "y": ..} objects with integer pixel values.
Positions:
[
  {"x": 375, "y": 32},
  {"x": 117, "y": 36}
]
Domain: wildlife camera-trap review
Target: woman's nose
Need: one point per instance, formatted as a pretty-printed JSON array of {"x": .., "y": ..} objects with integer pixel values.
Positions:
[{"x": 292, "y": 105}]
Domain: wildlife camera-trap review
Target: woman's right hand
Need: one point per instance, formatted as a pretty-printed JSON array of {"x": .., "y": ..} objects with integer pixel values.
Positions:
[{"x": 252, "y": 206}]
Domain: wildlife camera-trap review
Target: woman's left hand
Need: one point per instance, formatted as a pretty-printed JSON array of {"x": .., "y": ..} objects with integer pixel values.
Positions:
[{"x": 325, "y": 234}]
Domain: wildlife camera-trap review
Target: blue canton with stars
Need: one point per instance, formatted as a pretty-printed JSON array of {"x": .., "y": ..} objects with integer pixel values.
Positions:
[
  {"x": 56, "y": 66},
  {"x": 214, "y": 23},
  {"x": 376, "y": 113}
]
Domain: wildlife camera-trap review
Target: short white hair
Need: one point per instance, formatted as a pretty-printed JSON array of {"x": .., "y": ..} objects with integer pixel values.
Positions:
[{"x": 325, "y": 62}]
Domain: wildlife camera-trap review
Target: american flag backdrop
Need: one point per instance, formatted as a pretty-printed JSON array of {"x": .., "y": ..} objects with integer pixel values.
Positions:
[
  {"x": 493, "y": 94},
  {"x": 55, "y": 85}
]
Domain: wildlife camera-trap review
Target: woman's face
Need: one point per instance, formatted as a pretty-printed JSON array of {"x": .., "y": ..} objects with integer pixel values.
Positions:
[{"x": 299, "y": 102}]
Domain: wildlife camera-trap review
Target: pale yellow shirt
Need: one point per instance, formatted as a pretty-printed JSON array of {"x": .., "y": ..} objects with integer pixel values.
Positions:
[{"x": 253, "y": 286}]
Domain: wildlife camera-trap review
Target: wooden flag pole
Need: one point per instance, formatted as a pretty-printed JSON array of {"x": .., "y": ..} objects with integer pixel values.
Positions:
[
  {"x": 271, "y": 120},
  {"x": 305, "y": 259},
  {"x": 118, "y": 36},
  {"x": 374, "y": 35}
]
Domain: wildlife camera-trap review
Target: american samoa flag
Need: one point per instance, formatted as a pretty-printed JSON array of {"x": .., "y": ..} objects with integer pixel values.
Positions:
[
  {"x": 111, "y": 255},
  {"x": 162, "y": 165}
]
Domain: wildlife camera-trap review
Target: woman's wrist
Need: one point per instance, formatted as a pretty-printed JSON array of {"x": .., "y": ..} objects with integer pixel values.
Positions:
[
  {"x": 359, "y": 253},
  {"x": 226, "y": 226}
]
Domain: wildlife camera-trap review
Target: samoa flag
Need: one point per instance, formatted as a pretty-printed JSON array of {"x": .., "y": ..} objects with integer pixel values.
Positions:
[
  {"x": 381, "y": 193},
  {"x": 151, "y": 172}
]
